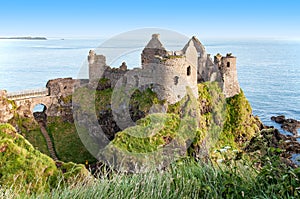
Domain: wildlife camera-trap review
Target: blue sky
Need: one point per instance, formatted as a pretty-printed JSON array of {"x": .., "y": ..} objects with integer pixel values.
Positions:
[{"x": 216, "y": 19}]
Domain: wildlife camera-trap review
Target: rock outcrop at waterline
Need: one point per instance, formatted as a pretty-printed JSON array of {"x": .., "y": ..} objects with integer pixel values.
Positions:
[{"x": 290, "y": 125}]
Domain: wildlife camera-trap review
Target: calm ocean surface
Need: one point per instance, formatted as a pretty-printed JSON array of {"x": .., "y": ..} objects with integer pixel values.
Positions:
[{"x": 268, "y": 70}]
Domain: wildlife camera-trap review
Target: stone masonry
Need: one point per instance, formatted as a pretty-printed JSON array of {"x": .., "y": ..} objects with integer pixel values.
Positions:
[{"x": 168, "y": 73}]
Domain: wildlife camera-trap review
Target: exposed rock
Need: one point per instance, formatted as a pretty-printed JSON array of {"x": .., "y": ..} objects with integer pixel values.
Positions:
[
  {"x": 290, "y": 125},
  {"x": 272, "y": 138},
  {"x": 40, "y": 117},
  {"x": 6, "y": 108},
  {"x": 278, "y": 119},
  {"x": 61, "y": 87}
]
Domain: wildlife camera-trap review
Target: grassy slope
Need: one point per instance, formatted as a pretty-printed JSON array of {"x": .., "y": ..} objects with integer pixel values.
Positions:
[
  {"x": 31, "y": 131},
  {"x": 27, "y": 170},
  {"x": 67, "y": 143}
]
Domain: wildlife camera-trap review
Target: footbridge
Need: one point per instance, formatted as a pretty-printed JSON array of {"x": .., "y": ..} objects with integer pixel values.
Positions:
[{"x": 41, "y": 92}]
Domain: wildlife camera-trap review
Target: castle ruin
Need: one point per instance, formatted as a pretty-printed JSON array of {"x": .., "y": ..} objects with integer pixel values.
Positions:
[{"x": 169, "y": 73}]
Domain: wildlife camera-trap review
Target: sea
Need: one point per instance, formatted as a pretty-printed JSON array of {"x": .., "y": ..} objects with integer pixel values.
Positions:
[{"x": 268, "y": 69}]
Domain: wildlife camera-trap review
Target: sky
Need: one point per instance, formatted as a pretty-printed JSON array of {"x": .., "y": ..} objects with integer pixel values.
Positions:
[{"x": 97, "y": 19}]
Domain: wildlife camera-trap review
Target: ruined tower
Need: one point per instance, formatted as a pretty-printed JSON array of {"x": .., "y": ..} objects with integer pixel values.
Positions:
[
  {"x": 169, "y": 73},
  {"x": 97, "y": 66},
  {"x": 207, "y": 70},
  {"x": 227, "y": 66}
]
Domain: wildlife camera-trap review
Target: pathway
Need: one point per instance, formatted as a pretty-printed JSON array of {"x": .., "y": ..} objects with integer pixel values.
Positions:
[{"x": 48, "y": 141}]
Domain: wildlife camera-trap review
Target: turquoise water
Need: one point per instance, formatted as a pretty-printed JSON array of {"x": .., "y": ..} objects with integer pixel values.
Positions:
[{"x": 268, "y": 70}]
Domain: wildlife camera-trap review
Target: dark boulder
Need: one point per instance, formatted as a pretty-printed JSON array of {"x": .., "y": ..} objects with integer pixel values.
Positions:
[{"x": 290, "y": 125}]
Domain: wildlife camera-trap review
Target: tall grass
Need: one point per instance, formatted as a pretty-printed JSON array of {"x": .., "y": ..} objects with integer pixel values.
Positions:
[{"x": 185, "y": 179}]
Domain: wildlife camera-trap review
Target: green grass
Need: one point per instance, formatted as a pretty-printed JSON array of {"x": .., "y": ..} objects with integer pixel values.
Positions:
[
  {"x": 37, "y": 140},
  {"x": 25, "y": 170},
  {"x": 31, "y": 131},
  {"x": 229, "y": 171},
  {"x": 150, "y": 134},
  {"x": 67, "y": 143},
  {"x": 187, "y": 179}
]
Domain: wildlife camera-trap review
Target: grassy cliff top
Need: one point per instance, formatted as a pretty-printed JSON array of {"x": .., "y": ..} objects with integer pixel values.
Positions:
[{"x": 29, "y": 171}]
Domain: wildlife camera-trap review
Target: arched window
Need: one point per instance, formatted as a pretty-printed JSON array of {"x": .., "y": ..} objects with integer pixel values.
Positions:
[
  {"x": 188, "y": 71},
  {"x": 228, "y": 64}
]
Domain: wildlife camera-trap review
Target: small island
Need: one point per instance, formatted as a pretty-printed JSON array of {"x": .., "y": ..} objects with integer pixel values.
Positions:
[{"x": 25, "y": 38}]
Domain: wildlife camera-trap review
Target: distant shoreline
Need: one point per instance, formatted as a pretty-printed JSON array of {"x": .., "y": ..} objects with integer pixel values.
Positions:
[{"x": 25, "y": 38}]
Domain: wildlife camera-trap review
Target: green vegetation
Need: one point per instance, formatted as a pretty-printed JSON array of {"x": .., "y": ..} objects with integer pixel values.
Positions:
[
  {"x": 67, "y": 143},
  {"x": 224, "y": 153},
  {"x": 240, "y": 125},
  {"x": 164, "y": 59},
  {"x": 144, "y": 100},
  {"x": 31, "y": 131},
  {"x": 188, "y": 179},
  {"x": 150, "y": 134},
  {"x": 24, "y": 169}
]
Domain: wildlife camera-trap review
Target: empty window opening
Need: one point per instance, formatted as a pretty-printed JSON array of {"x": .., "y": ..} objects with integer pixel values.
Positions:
[
  {"x": 188, "y": 71},
  {"x": 176, "y": 78},
  {"x": 228, "y": 64}
]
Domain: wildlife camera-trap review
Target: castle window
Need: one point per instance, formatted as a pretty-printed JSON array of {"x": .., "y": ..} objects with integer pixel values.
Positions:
[
  {"x": 228, "y": 64},
  {"x": 176, "y": 78},
  {"x": 188, "y": 71}
]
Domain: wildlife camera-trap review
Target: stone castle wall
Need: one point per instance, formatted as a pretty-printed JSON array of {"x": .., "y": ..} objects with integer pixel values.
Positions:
[
  {"x": 227, "y": 67},
  {"x": 57, "y": 103},
  {"x": 167, "y": 73}
]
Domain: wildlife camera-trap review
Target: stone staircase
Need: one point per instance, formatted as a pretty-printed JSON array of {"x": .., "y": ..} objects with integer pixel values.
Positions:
[{"x": 48, "y": 141}]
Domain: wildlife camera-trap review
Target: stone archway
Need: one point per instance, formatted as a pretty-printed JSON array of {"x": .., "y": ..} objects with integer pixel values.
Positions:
[
  {"x": 39, "y": 113},
  {"x": 39, "y": 108},
  {"x": 45, "y": 101}
]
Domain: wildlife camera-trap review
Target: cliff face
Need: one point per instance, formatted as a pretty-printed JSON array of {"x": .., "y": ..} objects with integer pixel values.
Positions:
[
  {"x": 190, "y": 128},
  {"x": 219, "y": 121}
]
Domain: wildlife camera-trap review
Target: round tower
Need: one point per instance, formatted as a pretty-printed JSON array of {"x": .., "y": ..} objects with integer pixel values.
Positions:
[{"x": 229, "y": 75}]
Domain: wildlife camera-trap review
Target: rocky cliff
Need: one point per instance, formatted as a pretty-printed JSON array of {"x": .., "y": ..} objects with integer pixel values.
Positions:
[{"x": 6, "y": 107}]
